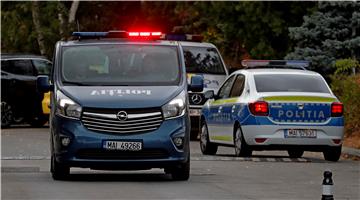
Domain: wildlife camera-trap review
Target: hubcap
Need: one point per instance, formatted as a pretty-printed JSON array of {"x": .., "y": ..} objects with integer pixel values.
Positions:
[
  {"x": 6, "y": 113},
  {"x": 237, "y": 141},
  {"x": 203, "y": 137}
]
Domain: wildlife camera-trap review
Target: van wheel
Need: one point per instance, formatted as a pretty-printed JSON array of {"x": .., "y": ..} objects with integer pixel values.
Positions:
[
  {"x": 6, "y": 114},
  {"x": 332, "y": 153},
  {"x": 295, "y": 153},
  {"x": 39, "y": 121},
  {"x": 241, "y": 148},
  {"x": 59, "y": 171},
  {"x": 207, "y": 148},
  {"x": 181, "y": 172}
]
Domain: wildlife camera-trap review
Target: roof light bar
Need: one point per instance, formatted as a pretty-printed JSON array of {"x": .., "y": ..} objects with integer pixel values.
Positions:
[
  {"x": 303, "y": 64},
  {"x": 118, "y": 34},
  {"x": 90, "y": 34}
]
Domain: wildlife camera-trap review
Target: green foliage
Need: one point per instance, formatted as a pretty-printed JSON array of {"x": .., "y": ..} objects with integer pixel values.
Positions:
[
  {"x": 333, "y": 32},
  {"x": 345, "y": 65},
  {"x": 347, "y": 89}
]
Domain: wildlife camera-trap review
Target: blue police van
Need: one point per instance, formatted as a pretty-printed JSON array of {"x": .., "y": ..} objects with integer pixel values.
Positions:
[{"x": 119, "y": 101}]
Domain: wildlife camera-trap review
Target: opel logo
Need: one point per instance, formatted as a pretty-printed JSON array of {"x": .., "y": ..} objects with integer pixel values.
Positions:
[
  {"x": 122, "y": 116},
  {"x": 301, "y": 106},
  {"x": 196, "y": 98}
]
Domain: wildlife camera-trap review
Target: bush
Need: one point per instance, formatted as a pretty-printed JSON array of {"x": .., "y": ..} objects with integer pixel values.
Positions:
[{"x": 347, "y": 89}]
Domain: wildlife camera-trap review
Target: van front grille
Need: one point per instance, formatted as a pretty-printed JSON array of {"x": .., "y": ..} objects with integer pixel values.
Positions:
[{"x": 122, "y": 121}]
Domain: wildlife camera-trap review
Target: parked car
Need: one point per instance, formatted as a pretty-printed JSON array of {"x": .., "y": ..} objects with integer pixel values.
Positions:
[
  {"x": 274, "y": 109},
  {"x": 20, "y": 100}
]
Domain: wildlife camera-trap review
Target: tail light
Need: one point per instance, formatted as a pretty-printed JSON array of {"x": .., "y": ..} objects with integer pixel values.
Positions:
[
  {"x": 337, "y": 109},
  {"x": 260, "y": 108}
]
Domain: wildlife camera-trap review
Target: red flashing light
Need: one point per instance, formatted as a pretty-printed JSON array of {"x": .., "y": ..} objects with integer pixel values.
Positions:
[
  {"x": 260, "y": 108},
  {"x": 144, "y": 35},
  {"x": 337, "y": 109}
]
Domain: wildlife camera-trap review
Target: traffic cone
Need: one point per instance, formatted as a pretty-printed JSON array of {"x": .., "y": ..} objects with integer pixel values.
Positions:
[{"x": 327, "y": 186}]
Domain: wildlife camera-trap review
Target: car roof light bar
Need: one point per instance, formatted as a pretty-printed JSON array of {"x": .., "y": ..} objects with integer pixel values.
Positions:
[
  {"x": 295, "y": 64},
  {"x": 183, "y": 37}
]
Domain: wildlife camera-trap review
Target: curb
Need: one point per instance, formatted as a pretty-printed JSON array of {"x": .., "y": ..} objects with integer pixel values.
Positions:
[{"x": 351, "y": 151}]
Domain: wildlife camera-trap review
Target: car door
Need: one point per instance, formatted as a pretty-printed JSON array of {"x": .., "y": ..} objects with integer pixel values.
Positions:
[
  {"x": 218, "y": 113},
  {"x": 234, "y": 105},
  {"x": 24, "y": 86}
]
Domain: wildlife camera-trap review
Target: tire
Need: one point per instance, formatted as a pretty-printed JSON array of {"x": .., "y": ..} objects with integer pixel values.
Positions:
[
  {"x": 241, "y": 148},
  {"x": 6, "y": 115},
  {"x": 295, "y": 153},
  {"x": 332, "y": 153},
  {"x": 59, "y": 171},
  {"x": 39, "y": 121},
  {"x": 207, "y": 148},
  {"x": 181, "y": 172}
]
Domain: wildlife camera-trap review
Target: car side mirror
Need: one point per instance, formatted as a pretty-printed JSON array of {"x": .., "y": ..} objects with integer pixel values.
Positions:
[
  {"x": 210, "y": 94},
  {"x": 43, "y": 85},
  {"x": 196, "y": 84}
]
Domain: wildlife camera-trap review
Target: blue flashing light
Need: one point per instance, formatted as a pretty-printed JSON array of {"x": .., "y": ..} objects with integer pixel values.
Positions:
[
  {"x": 300, "y": 63},
  {"x": 90, "y": 34}
]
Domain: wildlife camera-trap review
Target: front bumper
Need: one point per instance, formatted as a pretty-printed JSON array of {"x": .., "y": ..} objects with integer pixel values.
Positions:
[{"x": 86, "y": 147}]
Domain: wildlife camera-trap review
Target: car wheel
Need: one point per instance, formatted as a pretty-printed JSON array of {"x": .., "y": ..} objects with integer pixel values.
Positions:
[
  {"x": 59, "y": 171},
  {"x": 295, "y": 153},
  {"x": 332, "y": 153},
  {"x": 207, "y": 148},
  {"x": 241, "y": 148},
  {"x": 181, "y": 172},
  {"x": 39, "y": 121},
  {"x": 6, "y": 114}
]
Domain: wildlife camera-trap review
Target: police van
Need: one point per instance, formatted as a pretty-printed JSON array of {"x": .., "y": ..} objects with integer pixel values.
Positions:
[
  {"x": 274, "y": 105},
  {"x": 119, "y": 101}
]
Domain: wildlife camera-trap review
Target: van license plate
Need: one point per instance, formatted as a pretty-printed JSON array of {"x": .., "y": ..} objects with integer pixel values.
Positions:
[
  {"x": 300, "y": 133},
  {"x": 123, "y": 145}
]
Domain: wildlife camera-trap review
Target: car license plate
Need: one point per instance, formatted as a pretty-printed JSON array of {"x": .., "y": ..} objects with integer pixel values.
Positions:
[
  {"x": 123, "y": 145},
  {"x": 195, "y": 112},
  {"x": 300, "y": 133}
]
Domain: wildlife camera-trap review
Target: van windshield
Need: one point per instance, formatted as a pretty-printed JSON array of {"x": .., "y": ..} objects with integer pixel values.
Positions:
[
  {"x": 290, "y": 83},
  {"x": 203, "y": 60},
  {"x": 120, "y": 64}
]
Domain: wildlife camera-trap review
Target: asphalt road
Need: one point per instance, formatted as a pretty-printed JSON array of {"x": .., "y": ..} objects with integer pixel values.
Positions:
[{"x": 267, "y": 175}]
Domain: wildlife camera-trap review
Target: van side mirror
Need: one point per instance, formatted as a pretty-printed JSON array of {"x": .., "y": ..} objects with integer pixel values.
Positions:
[
  {"x": 43, "y": 85},
  {"x": 210, "y": 94},
  {"x": 196, "y": 84}
]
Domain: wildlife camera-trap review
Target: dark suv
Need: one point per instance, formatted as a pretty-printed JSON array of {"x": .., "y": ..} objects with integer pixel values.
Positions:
[{"x": 20, "y": 100}]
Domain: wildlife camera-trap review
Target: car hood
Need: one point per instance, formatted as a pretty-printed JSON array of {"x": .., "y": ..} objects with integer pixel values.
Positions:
[{"x": 121, "y": 97}]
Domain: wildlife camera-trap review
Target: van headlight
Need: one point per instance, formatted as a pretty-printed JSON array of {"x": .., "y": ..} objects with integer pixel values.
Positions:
[
  {"x": 176, "y": 107},
  {"x": 66, "y": 107}
]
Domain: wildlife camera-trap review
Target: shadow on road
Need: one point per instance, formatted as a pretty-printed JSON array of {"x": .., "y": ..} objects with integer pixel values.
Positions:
[{"x": 112, "y": 177}]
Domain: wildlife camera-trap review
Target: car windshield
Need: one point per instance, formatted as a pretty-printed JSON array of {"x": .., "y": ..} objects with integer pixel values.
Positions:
[
  {"x": 203, "y": 60},
  {"x": 290, "y": 83},
  {"x": 120, "y": 64}
]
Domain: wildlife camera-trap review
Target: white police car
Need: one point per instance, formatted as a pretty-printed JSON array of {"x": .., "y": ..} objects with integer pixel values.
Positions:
[{"x": 274, "y": 109}]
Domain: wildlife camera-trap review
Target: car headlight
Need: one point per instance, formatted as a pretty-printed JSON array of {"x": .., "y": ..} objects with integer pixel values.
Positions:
[
  {"x": 176, "y": 107},
  {"x": 66, "y": 107}
]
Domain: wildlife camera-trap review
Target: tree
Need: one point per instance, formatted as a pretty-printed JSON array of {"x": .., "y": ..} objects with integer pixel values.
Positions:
[{"x": 331, "y": 33}]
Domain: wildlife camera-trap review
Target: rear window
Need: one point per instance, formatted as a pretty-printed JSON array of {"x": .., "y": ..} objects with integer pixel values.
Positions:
[
  {"x": 290, "y": 83},
  {"x": 203, "y": 60}
]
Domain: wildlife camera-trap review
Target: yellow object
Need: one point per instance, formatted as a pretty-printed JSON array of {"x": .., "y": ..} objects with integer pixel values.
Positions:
[{"x": 46, "y": 103}]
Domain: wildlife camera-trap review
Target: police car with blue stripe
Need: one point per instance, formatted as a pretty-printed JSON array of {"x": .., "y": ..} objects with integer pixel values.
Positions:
[{"x": 273, "y": 105}]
